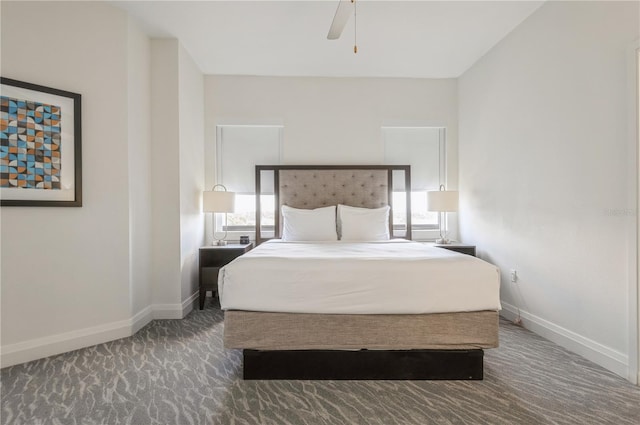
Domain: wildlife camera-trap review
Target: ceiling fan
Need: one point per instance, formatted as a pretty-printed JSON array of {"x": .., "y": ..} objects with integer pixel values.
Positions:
[{"x": 340, "y": 19}]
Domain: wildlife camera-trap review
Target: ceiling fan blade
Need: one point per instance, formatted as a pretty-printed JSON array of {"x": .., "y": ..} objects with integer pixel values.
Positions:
[{"x": 343, "y": 12}]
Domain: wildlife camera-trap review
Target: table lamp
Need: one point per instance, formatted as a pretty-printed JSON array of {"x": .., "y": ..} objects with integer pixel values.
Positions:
[
  {"x": 218, "y": 201},
  {"x": 442, "y": 201}
]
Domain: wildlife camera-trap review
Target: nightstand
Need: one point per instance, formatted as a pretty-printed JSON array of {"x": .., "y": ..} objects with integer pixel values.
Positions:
[
  {"x": 459, "y": 247},
  {"x": 212, "y": 259}
]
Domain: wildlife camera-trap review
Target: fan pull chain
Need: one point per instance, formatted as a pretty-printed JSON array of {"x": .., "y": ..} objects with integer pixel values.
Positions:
[{"x": 355, "y": 26}]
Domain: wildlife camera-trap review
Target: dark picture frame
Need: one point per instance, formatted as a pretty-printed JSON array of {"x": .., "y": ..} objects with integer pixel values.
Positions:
[{"x": 58, "y": 182}]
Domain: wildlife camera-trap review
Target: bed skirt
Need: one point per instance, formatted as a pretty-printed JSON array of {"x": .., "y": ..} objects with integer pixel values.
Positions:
[{"x": 300, "y": 331}]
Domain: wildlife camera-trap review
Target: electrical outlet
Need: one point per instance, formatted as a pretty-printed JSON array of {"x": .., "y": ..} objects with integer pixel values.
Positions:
[{"x": 514, "y": 275}]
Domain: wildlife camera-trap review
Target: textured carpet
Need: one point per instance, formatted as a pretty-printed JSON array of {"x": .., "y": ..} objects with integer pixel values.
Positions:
[{"x": 176, "y": 372}]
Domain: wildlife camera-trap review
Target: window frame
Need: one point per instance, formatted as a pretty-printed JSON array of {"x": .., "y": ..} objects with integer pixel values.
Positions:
[
  {"x": 234, "y": 232},
  {"x": 423, "y": 231}
]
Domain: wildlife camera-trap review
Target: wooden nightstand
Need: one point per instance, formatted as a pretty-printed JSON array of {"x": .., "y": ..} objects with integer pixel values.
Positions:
[
  {"x": 459, "y": 247},
  {"x": 212, "y": 259}
]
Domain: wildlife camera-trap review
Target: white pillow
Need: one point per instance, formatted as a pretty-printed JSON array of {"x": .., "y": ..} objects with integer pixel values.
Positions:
[
  {"x": 363, "y": 224},
  {"x": 309, "y": 225}
]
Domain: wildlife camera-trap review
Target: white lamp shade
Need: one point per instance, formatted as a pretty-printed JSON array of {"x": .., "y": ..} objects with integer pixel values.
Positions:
[
  {"x": 442, "y": 201},
  {"x": 218, "y": 201}
]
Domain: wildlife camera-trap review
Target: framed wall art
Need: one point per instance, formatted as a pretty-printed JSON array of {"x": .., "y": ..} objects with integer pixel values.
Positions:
[{"x": 40, "y": 146}]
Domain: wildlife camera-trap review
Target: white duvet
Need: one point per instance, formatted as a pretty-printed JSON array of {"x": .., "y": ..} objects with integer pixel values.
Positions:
[{"x": 391, "y": 277}]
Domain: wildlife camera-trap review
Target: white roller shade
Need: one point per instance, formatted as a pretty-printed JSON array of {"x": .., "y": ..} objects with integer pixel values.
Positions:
[
  {"x": 420, "y": 147},
  {"x": 240, "y": 149}
]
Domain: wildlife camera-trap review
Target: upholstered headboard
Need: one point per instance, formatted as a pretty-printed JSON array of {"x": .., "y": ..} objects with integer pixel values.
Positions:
[
  {"x": 320, "y": 188},
  {"x": 314, "y": 186}
]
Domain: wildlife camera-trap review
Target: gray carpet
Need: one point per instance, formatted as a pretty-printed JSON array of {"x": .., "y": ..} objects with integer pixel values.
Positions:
[{"x": 176, "y": 372}]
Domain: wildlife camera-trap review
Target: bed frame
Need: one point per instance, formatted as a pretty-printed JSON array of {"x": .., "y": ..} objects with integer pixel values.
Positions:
[{"x": 324, "y": 346}]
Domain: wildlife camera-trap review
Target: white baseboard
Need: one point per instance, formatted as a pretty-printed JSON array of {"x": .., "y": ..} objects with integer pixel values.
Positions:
[
  {"x": 141, "y": 319},
  {"x": 189, "y": 304},
  {"x": 604, "y": 356},
  {"x": 167, "y": 311},
  {"x": 174, "y": 311},
  {"x": 38, "y": 348}
]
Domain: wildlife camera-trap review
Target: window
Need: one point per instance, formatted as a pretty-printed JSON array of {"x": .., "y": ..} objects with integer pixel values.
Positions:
[
  {"x": 239, "y": 148},
  {"x": 423, "y": 148}
]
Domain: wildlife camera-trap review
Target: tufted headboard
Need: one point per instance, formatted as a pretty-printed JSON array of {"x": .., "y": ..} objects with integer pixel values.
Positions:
[{"x": 314, "y": 186}]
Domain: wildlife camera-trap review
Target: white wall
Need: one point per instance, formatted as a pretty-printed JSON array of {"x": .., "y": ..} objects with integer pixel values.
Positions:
[
  {"x": 65, "y": 269},
  {"x": 637, "y": 134},
  {"x": 165, "y": 171},
  {"x": 331, "y": 120},
  {"x": 177, "y": 156},
  {"x": 139, "y": 127},
  {"x": 191, "y": 112},
  {"x": 544, "y": 172},
  {"x": 74, "y": 277}
]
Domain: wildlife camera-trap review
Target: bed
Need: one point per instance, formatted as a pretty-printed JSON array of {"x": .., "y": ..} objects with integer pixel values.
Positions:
[{"x": 355, "y": 310}]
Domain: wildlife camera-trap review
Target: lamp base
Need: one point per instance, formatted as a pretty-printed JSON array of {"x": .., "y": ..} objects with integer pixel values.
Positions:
[
  {"x": 443, "y": 241},
  {"x": 219, "y": 242}
]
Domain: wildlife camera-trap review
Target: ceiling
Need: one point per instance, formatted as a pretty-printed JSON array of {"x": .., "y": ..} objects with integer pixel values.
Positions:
[{"x": 421, "y": 39}]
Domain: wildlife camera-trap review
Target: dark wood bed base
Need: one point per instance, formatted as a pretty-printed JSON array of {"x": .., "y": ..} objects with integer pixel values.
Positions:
[
  {"x": 276, "y": 183},
  {"x": 364, "y": 365}
]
